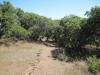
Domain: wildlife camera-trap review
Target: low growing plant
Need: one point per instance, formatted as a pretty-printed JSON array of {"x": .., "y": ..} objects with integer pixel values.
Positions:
[{"x": 94, "y": 64}]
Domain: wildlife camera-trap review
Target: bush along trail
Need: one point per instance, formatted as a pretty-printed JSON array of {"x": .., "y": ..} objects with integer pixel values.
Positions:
[{"x": 48, "y": 65}]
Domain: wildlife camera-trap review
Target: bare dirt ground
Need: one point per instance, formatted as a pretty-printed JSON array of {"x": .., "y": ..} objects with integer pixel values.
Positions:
[
  {"x": 49, "y": 66},
  {"x": 24, "y": 58}
]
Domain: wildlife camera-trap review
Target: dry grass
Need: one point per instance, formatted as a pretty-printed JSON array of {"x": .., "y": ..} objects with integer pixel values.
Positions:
[
  {"x": 24, "y": 58},
  {"x": 17, "y": 57}
]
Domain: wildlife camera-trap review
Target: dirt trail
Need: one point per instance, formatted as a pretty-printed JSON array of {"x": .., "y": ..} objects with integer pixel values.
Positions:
[
  {"x": 24, "y": 58},
  {"x": 49, "y": 66}
]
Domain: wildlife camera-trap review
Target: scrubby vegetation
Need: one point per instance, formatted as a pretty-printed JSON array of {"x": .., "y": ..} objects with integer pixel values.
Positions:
[
  {"x": 94, "y": 64},
  {"x": 72, "y": 33}
]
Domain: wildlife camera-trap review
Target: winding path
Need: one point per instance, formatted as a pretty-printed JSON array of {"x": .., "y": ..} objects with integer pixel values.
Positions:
[{"x": 49, "y": 66}]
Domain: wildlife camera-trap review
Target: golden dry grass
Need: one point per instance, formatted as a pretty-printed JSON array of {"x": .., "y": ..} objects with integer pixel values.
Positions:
[{"x": 24, "y": 58}]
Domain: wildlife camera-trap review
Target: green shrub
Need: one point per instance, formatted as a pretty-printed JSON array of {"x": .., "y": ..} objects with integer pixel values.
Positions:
[
  {"x": 94, "y": 64},
  {"x": 19, "y": 32},
  {"x": 62, "y": 57},
  {"x": 35, "y": 32}
]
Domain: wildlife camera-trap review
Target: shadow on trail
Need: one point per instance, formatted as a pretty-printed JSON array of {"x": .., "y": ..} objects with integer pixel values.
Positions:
[
  {"x": 58, "y": 53},
  {"x": 50, "y": 43},
  {"x": 55, "y": 53},
  {"x": 7, "y": 42},
  {"x": 74, "y": 55}
]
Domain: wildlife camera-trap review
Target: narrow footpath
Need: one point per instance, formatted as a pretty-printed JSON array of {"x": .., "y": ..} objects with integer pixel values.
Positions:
[{"x": 49, "y": 66}]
